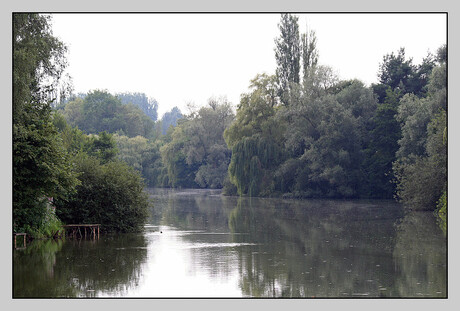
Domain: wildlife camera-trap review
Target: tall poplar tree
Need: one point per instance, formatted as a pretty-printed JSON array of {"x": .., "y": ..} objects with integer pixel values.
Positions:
[
  {"x": 309, "y": 53},
  {"x": 287, "y": 54}
]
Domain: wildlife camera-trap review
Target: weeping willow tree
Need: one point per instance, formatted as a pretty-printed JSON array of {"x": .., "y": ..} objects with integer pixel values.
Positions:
[
  {"x": 256, "y": 138},
  {"x": 251, "y": 167},
  {"x": 180, "y": 174}
]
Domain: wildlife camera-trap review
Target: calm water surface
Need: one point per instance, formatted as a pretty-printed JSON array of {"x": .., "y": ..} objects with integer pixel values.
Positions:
[{"x": 198, "y": 243}]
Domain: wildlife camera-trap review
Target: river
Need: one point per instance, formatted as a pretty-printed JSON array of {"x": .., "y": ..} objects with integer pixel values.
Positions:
[{"x": 198, "y": 243}]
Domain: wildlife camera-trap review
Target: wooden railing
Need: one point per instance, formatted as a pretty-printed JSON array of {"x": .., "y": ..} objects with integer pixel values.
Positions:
[
  {"x": 24, "y": 245},
  {"x": 83, "y": 230}
]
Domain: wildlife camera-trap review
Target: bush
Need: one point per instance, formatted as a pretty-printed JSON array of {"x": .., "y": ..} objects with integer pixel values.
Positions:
[
  {"x": 111, "y": 195},
  {"x": 442, "y": 212},
  {"x": 229, "y": 188},
  {"x": 48, "y": 226},
  {"x": 420, "y": 179}
]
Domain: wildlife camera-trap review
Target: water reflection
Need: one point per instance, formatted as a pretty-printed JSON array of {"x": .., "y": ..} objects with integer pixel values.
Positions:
[
  {"x": 420, "y": 257},
  {"x": 188, "y": 263},
  {"x": 79, "y": 268},
  {"x": 201, "y": 244},
  {"x": 316, "y": 248}
]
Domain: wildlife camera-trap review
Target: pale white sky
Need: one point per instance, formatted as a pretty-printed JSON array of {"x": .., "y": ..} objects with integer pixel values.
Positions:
[{"x": 181, "y": 58}]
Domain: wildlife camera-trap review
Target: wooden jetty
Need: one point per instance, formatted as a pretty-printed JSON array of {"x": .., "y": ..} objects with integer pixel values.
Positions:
[
  {"x": 24, "y": 245},
  {"x": 91, "y": 230}
]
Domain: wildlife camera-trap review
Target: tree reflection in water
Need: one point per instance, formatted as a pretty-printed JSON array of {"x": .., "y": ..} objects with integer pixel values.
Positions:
[
  {"x": 322, "y": 248},
  {"x": 253, "y": 247},
  {"x": 79, "y": 268},
  {"x": 420, "y": 257}
]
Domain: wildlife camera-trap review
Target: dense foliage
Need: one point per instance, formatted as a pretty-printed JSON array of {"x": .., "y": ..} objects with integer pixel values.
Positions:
[
  {"x": 41, "y": 166},
  {"x": 255, "y": 139},
  {"x": 397, "y": 77},
  {"x": 148, "y": 105},
  {"x": 60, "y": 173},
  {"x": 323, "y": 137},
  {"x": 143, "y": 155},
  {"x": 100, "y": 111},
  {"x": 109, "y": 194},
  {"x": 421, "y": 165},
  {"x": 196, "y": 155}
]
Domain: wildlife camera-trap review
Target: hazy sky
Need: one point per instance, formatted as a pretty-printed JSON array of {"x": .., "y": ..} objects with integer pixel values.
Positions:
[{"x": 181, "y": 58}]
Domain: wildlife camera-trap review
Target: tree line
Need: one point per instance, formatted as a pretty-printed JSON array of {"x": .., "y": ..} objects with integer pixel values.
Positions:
[
  {"x": 310, "y": 134},
  {"x": 301, "y": 132}
]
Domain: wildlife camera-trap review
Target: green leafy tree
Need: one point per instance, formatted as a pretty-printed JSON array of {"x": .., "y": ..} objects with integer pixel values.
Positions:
[
  {"x": 180, "y": 174},
  {"x": 442, "y": 212},
  {"x": 383, "y": 145},
  {"x": 398, "y": 78},
  {"x": 100, "y": 111},
  {"x": 421, "y": 183},
  {"x": 109, "y": 194},
  {"x": 414, "y": 115},
  {"x": 73, "y": 112},
  {"x": 170, "y": 118},
  {"x": 109, "y": 191},
  {"x": 131, "y": 150},
  {"x": 153, "y": 169},
  {"x": 102, "y": 146},
  {"x": 394, "y": 72},
  {"x": 324, "y": 138},
  {"x": 321, "y": 80},
  {"x": 420, "y": 167},
  {"x": 304, "y": 112},
  {"x": 143, "y": 155},
  {"x": 255, "y": 112},
  {"x": 256, "y": 139},
  {"x": 41, "y": 166},
  {"x": 206, "y": 146},
  {"x": 197, "y": 149},
  {"x": 441, "y": 54},
  {"x": 148, "y": 105}
]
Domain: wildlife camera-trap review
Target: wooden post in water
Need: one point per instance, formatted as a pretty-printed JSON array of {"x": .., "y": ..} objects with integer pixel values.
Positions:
[
  {"x": 74, "y": 229},
  {"x": 24, "y": 243}
]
